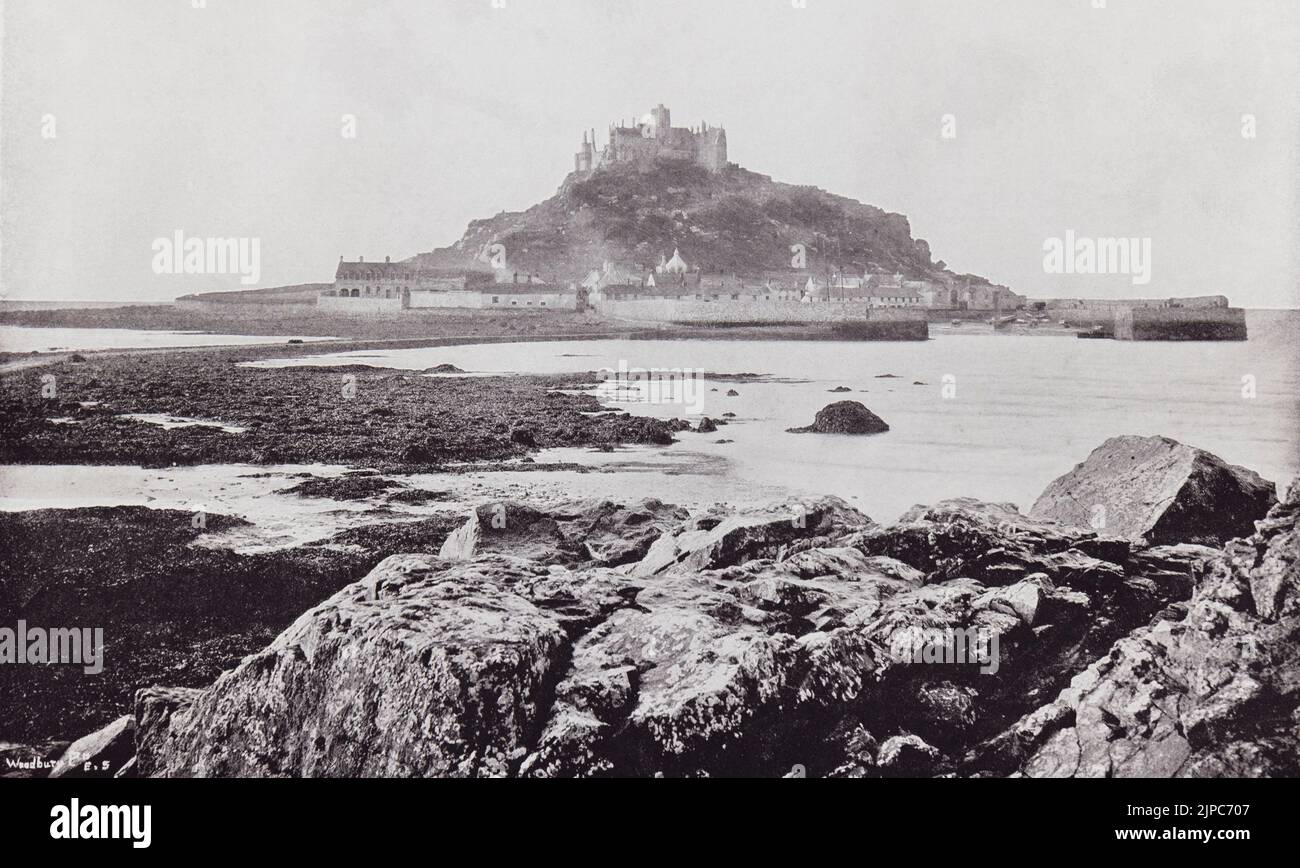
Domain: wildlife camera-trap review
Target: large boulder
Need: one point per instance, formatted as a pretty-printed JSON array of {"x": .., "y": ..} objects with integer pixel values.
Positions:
[
  {"x": 843, "y": 417},
  {"x": 99, "y": 754},
  {"x": 1158, "y": 491},
  {"x": 597, "y": 532},
  {"x": 723, "y": 539},
  {"x": 425, "y": 668},
  {"x": 1209, "y": 694}
]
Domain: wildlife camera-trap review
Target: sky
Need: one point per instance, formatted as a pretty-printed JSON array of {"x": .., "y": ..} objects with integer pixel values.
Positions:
[{"x": 125, "y": 121}]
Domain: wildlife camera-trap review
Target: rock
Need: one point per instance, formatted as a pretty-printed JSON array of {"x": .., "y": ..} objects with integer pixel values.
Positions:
[
  {"x": 819, "y": 589},
  {"x": 748, "y": 642},
  {"x": 907, "y": 756},
  {"x": 858, "y": 749},
  {"x": 706, "y": 426},
  {"x": 844, "y": 417},
  {"x": 1178, "y": 567},
  {"x": 732, "y": 393},
  {"x": 591, "y": 531},
  {"x": 1157, "y": 491},
  {"x": 711, "y": 542},
  {"x": 443, "y": 369},
  {"x": 1021, "y": 599},
  {"x": 948, "y": 711},
  {"x": 99, "y": 754},
  {"x": 1210, "y": 695},
  {"x": 989, "y": 542},
  {"x": 154, "y": 707},
  {"x": 427, "y": 668},
  {"x": 840, "y": 389},
  {"x": 523, "y": 436},
  {"x": 1106, "y": 548},
  {"x": 670, "y": 686}
]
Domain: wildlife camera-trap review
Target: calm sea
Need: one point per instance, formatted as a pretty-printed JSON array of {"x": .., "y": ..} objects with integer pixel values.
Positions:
[
  {"x": 990, "y": 416},
  {"x": 26, "y": 339}
]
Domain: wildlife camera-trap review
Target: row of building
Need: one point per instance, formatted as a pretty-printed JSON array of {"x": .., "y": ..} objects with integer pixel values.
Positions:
[
  {"x": 673, "y": 278},
  {"x": 379, "y": 287}
]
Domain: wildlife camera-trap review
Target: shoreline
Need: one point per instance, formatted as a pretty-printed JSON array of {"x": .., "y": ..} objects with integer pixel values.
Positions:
[
  {"x": 1056, "y": 601},
  {"x": 178, "y": 614}
]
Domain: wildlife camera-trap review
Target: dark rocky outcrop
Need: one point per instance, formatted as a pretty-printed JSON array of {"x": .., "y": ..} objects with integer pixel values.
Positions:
[
  {"x": 1158, "y": 491},
  {"x": 801, "y": 636},
  {"x": 844, "y": 417},
  {"x": 422, "y": 669},
  {"x": 1213, "y": 693}
]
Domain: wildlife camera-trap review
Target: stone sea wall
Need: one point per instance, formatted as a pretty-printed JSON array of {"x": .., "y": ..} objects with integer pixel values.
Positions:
[
  {"x": 1180, "y": 323},
  {"x": 738, "y": 312}
]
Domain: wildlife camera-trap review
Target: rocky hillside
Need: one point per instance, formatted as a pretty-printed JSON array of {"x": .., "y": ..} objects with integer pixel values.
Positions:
[
  {"x": 732, "y": 221},
  {"x": 598, "y": 639}
]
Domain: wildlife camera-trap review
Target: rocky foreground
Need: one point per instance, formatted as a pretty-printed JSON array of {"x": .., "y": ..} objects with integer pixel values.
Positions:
[{"x": 639, "y": 640}]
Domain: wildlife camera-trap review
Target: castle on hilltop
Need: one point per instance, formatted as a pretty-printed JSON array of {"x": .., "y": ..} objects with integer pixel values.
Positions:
[{"x": 654, "y": 137}]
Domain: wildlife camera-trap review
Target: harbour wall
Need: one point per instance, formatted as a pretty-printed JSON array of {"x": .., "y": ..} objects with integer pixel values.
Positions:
[
  {"x": 754, "y": 312},
  {"x": 1180, "y": 324},
  {"x": 852, "y": 320}
]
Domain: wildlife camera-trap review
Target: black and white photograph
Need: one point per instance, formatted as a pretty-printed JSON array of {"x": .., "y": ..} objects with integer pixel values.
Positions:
[{"x": 877, "y": 390}]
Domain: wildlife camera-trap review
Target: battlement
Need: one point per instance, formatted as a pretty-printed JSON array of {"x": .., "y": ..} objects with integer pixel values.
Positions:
[{"x": 651, "y": 138}]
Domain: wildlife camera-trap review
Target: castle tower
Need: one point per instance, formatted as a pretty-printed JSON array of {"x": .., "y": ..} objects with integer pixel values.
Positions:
[
  {"x": 582, "y": 161},
  {"x": 711, "y": 148},
  {"x": 663, "y": 120}
]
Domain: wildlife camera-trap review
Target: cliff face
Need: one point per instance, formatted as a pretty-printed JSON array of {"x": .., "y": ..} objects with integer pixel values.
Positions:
[{"x": 732, "y": 220}]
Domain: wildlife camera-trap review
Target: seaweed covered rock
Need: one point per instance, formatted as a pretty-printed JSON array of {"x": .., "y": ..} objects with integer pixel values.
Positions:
[{"x": 844, "y": 417}]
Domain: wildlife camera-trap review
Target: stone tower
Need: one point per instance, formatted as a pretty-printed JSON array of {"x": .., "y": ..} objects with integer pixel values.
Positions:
[
  {"x": 582, "y": 161},
  {"x": 663, "y": 120}
]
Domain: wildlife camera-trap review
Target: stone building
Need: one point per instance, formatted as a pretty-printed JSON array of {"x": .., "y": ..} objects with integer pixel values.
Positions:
[
  {"x": 390, "y": 287},
  {"x": 390, "y": 279},
  {"x": 654, "y": 137}
]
